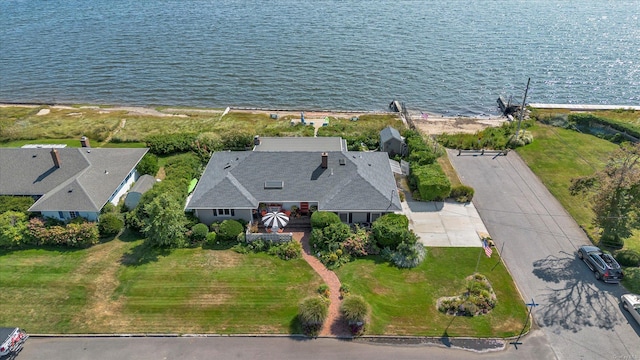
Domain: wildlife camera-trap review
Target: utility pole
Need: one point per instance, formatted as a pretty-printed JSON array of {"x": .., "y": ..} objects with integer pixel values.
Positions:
[{"x": 522, "y": 108}]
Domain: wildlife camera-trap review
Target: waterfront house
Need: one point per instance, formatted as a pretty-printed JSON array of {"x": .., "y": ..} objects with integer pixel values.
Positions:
[
  {"x": 68, "y": 182},
  {"x": 303, "y": 173}
]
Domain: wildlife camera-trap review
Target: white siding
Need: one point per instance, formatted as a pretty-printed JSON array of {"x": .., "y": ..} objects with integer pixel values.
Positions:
[{"x": 124, "y": 187}]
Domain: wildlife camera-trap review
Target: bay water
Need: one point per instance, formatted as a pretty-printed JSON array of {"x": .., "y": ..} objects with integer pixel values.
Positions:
[{"x": 449, "y": 57}]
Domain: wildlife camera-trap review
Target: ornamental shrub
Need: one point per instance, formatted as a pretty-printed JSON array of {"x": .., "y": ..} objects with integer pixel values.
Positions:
[
  {"x": 408, "y": 255},
  {"x": 628, "y": 257},
  {"x": 312, "y": 312},
  {"x": 356, "y": 311},
  {"x": 462, "y": 193},
  {"x": 74, "y": 235},
  {"x": 170, "y": 143},
  {"x": 199, "y": 232},
  {"x": 322, "y": 219},
  {"x": 390, "y": 229},
  {"x": 211, "y": 238},
  {"x": 109, "y": 224},
  {"x": 229, "y": 230}
]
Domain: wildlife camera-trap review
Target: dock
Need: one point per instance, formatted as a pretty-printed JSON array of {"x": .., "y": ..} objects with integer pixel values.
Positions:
[{"x": 582, "y": 107}]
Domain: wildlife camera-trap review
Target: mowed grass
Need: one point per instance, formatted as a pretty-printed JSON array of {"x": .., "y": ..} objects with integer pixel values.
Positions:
[
  {"x": 558, "y": 155},
  {"x": 125, "y": 287},
  {"x": 403, "y": 301}
]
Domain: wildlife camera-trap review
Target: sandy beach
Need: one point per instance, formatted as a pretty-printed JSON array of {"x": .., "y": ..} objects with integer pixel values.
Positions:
[{"x": 429, "y": 123}]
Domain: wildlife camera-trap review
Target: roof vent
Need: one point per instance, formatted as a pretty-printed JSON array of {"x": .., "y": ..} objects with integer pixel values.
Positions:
[
  {"x": 70, "y": 190},
  {"x": 227, "y": 166},
  {"x": 34, "y": 155},
  {"x": 106, "y": 172},
  {"x": 342, "y": 162}
]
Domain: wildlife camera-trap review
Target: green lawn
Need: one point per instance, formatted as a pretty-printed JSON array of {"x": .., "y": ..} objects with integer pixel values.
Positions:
[
  {"x": 558, "y": 155},
  {"x": 124, "y": 287},
  {"x": 403, "y": 301}
]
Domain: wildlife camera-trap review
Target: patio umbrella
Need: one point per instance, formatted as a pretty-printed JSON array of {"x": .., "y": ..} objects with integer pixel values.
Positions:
[{"x": 275, "y": 220}]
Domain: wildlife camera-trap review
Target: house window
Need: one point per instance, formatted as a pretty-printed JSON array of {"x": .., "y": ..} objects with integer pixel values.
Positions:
[
  {"x": 74, "y": 214},
  {"x": 60, "y": 214},
  {"x": 344, "y": 217},
  {"x": 374, "y": 216},
  {"x": 224, "y": 212}
]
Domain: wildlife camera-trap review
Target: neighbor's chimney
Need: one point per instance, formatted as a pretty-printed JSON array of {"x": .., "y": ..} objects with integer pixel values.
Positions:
[
  {"x": 256, "y": 140},
  {"x": 56, "y": 158},
  {"x": 85, "y": 142},
  {"x": 325, "y": 160}
]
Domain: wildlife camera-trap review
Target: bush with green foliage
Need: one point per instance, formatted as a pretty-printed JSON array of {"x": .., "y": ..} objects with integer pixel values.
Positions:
[
  {"x": 390, "y": 230},
  {"x": 360, "y": 243},
  {"x": 109, "y": 224},
  {"x": 211, "y": 238},
  {"x": 286, "y": 251},
  {"x": 628, "y": 257},
  {"x": 462, "y": 193},
  {"x": 109, "y": 208},
  {"x": 356, "y": 311},
  {"x": 327, "y": 244},
  {"x": 312, "y": 312},
  {"x": 408, "y": 254},
  {"x": 199, "y": 232},
  {"x": 148, "y": 165},
  {"x": 431, "y": 181},
  {"x": 72, "y": 234},
  {"x": 322, "y": 219},
  {"x": 13, "y": 229},
  {"x": 229, "y": 230},
  {"x": 237, "y": 140},
  {"x": 170, "y": 143},
  {"x": 15, "y": 203}
]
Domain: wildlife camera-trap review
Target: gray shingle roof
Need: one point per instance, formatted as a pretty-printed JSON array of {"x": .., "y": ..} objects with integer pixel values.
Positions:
[
  {"x": 237, "y": 180},
  {"x": 389, "y": 133},
  {"x": 85, "y": 180},
  {"x": 143, "y": 184},
  {"x": 301, "y": 144}
]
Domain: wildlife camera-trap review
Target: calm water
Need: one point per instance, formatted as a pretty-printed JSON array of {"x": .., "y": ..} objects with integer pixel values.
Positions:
[{"x": 451, "y": 57}]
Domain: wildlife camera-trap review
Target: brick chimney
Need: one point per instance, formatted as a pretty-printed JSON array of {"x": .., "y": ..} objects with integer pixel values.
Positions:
[
  {"x": 325, "y": 160},
  {"x": 55, "y": 155},
  {"x": 84, "y": 141}
]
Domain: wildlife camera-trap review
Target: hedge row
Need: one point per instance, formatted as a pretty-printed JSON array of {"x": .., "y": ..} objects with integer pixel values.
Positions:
[
  {"x": 587, "y": 120},
  {"x": 431, "y": 182}
]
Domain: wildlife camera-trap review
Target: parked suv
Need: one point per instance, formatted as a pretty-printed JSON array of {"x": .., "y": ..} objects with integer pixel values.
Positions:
[{"x": 604, "y": 266}]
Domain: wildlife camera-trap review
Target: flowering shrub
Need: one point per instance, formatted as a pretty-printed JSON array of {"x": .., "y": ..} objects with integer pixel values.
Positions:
[{"x": 73, "y": 234}]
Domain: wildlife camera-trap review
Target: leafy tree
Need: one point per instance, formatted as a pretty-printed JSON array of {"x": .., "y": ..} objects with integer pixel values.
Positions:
[
  {"x": 13, "y": 229},
  {"x": 15, "y": 203},
  {"x": 148, "y": 165},
  {"x": 165, "y": 226},
  {"x": 615, "y": 195}
]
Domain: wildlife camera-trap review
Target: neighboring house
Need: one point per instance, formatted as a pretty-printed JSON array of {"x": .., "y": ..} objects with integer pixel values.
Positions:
[
  {"x": 68, "y": 182},
  {"x": 391, "y": 142},
  {"x": 142, "y": 185},
  {"x": 358, "y": 186}
]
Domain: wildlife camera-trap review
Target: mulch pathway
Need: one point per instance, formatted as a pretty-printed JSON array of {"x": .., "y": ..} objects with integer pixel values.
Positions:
[{"x": 334, "y": 326}]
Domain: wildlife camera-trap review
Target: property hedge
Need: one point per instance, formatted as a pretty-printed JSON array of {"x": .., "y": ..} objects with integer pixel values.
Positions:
[
  {"x": 170, "y": 143},
  {"x": 431, "y": 181},
  {"x": 587, "y": 120},
  {"x": 322, "y": 219},
  {"x": 390, "y": 230}
]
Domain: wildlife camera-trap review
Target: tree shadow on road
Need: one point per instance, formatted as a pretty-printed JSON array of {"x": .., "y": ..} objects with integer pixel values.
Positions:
[{"x": 578, "y": 300}]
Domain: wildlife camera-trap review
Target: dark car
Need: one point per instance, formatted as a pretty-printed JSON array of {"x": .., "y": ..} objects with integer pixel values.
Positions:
[{"x": 603, "y": 265}]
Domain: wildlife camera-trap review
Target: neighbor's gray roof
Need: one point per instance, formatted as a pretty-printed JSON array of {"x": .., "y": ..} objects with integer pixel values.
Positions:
[
  {"x": 143, "y": 184},
  {"x": 237, "y": 179},
  {"x": 301, "y": 144},
  {"x": 389, "y": 133},
  {"x": 85, "y": 180}
]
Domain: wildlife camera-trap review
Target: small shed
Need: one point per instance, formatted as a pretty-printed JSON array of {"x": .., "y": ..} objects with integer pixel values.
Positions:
[
  {"x": 144, "y": 183},
  {"x": 391, "y": 142}
]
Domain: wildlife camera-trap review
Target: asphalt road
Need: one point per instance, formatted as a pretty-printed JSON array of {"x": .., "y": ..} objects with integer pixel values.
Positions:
[
  {"x": 259, "y": 348},
  {"x": 581, "y": 317}
]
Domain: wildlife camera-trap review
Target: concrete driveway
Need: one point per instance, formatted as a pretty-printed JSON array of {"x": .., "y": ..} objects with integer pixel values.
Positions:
[
  {"x": 581, "y": 317},
  {"x": 446, "y": 223}
]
